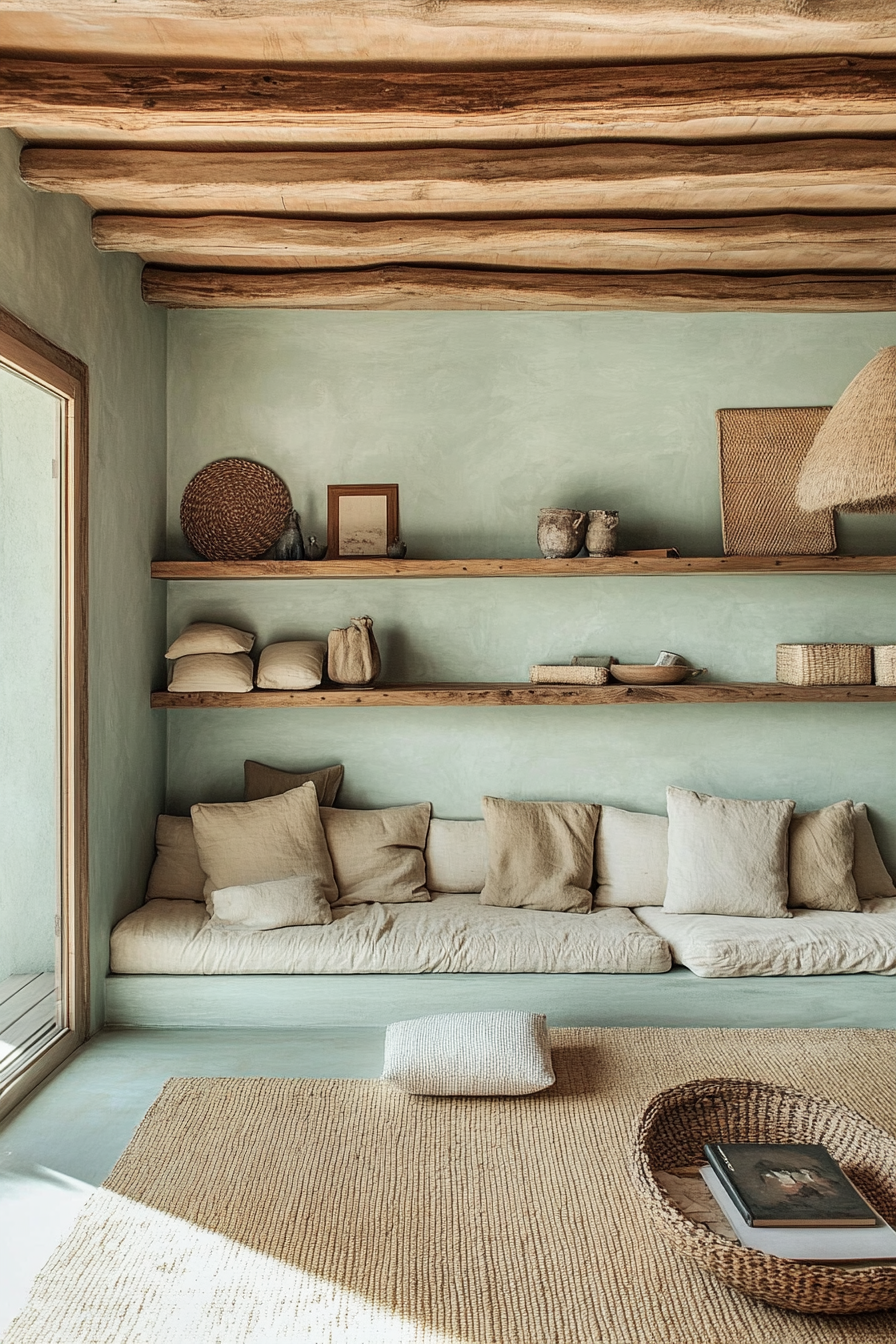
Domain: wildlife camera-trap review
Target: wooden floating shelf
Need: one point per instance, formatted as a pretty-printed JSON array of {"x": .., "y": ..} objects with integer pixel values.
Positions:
[
  {"x": 524, "y": 693},
  {"x": 589, "y": 566}
]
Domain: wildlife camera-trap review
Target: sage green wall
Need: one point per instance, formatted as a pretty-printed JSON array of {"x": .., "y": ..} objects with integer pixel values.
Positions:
[
  {"x": 89, "y": 303},
  {"x": 482, "y": 418}
]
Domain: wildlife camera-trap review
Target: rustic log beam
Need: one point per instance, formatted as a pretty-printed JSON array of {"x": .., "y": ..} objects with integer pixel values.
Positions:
[
  {"x": 408, "y": 287},
  {"x": 349, "y": 108},
  {"x": 751, "y": 243},
  {"x": 609, "y": 177}
]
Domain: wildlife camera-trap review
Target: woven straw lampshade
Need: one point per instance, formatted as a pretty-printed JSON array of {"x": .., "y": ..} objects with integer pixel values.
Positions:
[{"x": 851, "y": 465}]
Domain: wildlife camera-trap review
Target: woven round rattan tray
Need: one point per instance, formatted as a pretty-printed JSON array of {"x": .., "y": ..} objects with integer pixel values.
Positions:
[
  {"x": 234, "y": 509},
  {"x": 672, "y": 1132}
]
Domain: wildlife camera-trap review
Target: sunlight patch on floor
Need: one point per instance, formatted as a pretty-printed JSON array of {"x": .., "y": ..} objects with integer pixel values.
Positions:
[{"x": 38, "y": 1207}]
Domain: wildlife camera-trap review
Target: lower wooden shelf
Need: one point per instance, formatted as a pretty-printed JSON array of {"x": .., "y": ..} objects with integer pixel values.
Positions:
[{"x": 524, "y": 693}]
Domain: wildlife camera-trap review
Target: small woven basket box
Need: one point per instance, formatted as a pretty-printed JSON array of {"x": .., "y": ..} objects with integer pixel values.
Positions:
[
  {"x": 885, "y": 664},
  {"x": 824, "y": 664}
]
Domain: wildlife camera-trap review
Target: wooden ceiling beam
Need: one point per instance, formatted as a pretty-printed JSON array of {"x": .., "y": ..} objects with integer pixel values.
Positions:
[
  {"x": 751, "y": 243},
  {"x": 352, "y": 108},
  {"x": 611, "y": 178},
  {"x": 408, "y": 287}
]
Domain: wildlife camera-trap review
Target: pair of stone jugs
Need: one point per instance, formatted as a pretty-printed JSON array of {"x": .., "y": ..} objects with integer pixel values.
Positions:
[{"x": 561, "y": 532}]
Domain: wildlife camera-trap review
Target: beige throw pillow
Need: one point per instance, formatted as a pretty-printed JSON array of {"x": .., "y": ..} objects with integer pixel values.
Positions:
[
  {"x": 378, "y": 855},
  {"x": 176, "y": 874},
  {"x": 456, "y": 855},
  {"x": 241, "y": 844},
  {"x": 295, "y": 665},
  {"x": 727, "y": 856},
  {"x": 266, "y": 781},
  {"x": 540, "y": 855},
  {"x": 271, "y": 905},
  {"x": 872, "y": 878},
  {"x": 207, "y": 637},
  {"x": 822, "y": 845},
  {"x": 212, "y": 672},
  {"x": 631, "y": 857}
]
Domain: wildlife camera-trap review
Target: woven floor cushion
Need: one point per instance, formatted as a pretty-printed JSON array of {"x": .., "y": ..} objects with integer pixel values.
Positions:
[{"x": 500, "y": 1054}]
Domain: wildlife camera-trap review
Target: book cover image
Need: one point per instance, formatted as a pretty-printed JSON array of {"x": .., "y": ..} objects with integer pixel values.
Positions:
[{"x": 780, "y": 1185}]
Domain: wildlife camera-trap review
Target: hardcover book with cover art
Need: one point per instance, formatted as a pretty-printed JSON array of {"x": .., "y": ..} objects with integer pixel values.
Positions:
[{"x": 788, "y": 1185}]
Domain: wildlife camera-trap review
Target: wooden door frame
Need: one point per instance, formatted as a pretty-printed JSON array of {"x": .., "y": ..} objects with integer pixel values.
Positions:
[{"x": 38, "y": 359}]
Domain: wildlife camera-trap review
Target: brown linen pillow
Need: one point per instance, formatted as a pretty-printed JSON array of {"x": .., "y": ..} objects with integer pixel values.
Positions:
[
  {"x": 177, "y": 873},
  {"x": 378, "y": 855},
  {"x": 210, "y": 637},
  {"x": 242, "y": 844},
  {"x": 822, "y": 845},
  {"x": 266, "y": 781},
  {"x": 540, "y": 855},
  {"x": 872, "y": 878}
]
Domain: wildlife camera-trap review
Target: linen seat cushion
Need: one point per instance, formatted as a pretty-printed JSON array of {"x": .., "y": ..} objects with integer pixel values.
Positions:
[
  {"x": 540, "y": 855},
  {"x": 212, "y": 672},
  {"x": 631, "y": 858},
  {"x": 271, "y": 905},
  {"x": 377, "y": 855},
  {"x": 209, "y": 637},
  {"x": 822, "y": 849},
  {"x": 456, "y": 855},
  {"x": 176, "y": 874},
  {"x": 727, "y": 856},
  {"x": 266, "y": 781},
  {"x": 494, "y": 1054},
  {"x": 240, "y": 844},
  {"x": 294, "y": 665}
]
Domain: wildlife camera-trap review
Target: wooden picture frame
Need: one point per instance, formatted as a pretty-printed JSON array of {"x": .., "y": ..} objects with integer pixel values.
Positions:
[{"x": 362, "y": 520}]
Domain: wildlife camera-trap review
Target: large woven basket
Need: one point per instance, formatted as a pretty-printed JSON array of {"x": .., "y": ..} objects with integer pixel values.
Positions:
[
  {"x": 234, "y": 509},
  {"x": 824, "y": 664},
  {"x": 672, "y": 1132}
]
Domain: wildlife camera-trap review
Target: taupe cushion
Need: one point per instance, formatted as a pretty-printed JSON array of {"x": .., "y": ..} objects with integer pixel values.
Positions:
[
  {"x": 288, "y": 902},
  {"x": 212, "y": 672},
  {"x": 540, "y": 855},
  {"x": 240, "y": 844},
  {"x": 295, "y": 665},
  {"x": 872, "y": 878},
  {"x": 266, "y": 781},
  {"x": 727, "y": 856},
  {"x": 631, "y": 857},
  {"x": 822, "y": 845},
  {"x": 177, "y": 873},
  {"x": 207, "y": 637},
  {"x": 456, "y": 855},
  {"x": 378, "y": 854},
  {"x": 503, "y": 1054}
]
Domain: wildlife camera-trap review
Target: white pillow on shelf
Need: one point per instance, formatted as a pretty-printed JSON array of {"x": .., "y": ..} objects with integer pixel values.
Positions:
[
  {"x": 294, "y": 665},
  {"x": 212, "y": 672},
  {"x": 209, "y": 637}
]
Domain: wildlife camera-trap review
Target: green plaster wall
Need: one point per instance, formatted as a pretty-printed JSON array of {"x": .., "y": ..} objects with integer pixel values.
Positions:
[
  {"x": 89, "y": 303},
  {"x": 482, "y": 418}
]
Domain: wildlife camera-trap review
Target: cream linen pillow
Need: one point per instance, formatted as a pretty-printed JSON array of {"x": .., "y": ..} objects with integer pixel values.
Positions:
[
  {"x": 540, "y": 855},
  {"x": 631, "y": 856},
  {"x": 271, "y": 905},
  {"x": 727, "y": 856},
  {"x": 456, "y": 855},
  {"x": 296, "y": 665},
  {"x": 822, "y": 845},
  {"x": 872, "y": 878},
  {"x": 206, "y": 637},
  {"x": 499, "y": 1054},
  {"x": 266, "y": 781},
  {"x": 176, "y": 874},
  {"x": 241, "y": 844},
  {"x": 378, "y": 855},
  {"x": 212, "y": 672}
]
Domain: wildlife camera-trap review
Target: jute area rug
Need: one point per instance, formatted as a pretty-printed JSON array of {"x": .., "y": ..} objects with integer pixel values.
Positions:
[{"x": 348, "y": 1213}]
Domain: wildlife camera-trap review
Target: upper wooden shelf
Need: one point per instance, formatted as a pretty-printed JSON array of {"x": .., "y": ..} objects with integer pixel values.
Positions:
[{"x": 587, "y": 566}]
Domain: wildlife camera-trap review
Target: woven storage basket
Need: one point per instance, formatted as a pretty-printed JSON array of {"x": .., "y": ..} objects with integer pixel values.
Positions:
[
  {"x": 672, "y": 1132},
  {"x": 885, "y": 664},
  {"x": 234, "y": 509},
  {"x": 550, "y": 675},
  {"x": 824, "y": 664}
]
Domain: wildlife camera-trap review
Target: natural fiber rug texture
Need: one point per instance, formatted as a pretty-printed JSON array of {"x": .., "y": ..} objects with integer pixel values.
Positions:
[{"x": 341, "y": 1212}]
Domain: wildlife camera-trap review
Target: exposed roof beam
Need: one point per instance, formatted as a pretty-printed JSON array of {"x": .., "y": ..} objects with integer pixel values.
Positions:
[
  {"x": 406, "y": 287},
  {"x": 753, "y": 243},
  {"x": 312, "y": 106},
  {"x": 613, "y": 178}
]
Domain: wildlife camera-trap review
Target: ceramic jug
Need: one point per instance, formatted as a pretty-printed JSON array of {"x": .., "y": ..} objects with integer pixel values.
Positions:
[{"x": 560, "y": 532}]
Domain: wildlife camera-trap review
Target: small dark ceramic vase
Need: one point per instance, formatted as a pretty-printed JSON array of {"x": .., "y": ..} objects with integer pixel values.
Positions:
[
  {"x": 289, "y": 545},
  {"x": 397, "y": 550},
  {"x": 313, "y": 549}
]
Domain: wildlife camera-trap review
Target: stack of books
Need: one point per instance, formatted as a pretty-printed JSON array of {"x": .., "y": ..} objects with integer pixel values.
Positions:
[{"x": 793, "y": 1200}]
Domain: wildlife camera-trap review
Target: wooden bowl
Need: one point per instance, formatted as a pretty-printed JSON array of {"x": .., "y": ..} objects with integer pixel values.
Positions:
[{"x": 645, "y": 674}]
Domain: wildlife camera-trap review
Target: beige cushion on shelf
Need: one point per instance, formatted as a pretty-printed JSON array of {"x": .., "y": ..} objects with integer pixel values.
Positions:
[
  {"x": 295, "y": 665},
  {"x": 631, "y": 857},
  {"x": 822, "y": 845},
  {"x": 266, "y": 781},
  {"x": 872, "y": 878},
  {"x": 207, "y": 637},
  {"x": 177, "y": 873},
  {"x": 727, "y": 856},
  {"x": 378, "y": 854},
  {"x": 212, "y": 672},
  {"x": 240, "y": 844},
  {"x": 456, "y": 855},
  {"x": 287, "y": 902},
  {"x": 540, "y": 855},
  {"x": 497, "y": 1054}
]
